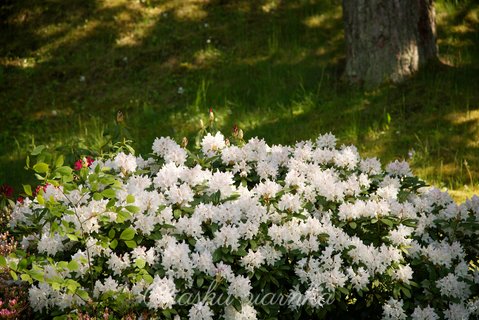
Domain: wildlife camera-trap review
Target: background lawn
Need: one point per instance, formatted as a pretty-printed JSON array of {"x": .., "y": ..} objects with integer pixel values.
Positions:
[{"x": 272, "y": 67}]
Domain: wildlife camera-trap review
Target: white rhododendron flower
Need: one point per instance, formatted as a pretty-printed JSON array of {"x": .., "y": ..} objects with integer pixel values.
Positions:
[
  {"x": 169, "y": 150},
  {"x": 426, "y": 313},
  {"x": 126, "y": 163},
  {"x": 393, "y": 310},
  {"x": 247, "y": 312},
  {"x": 162, "y": 293},
  {"x": 200, "y": 311},
  {"x": 212, "y": 232},
  {"x": 210, "y": 144},
  {"x": 222, "y": 182},
  {"x": 399, "y": 168}
]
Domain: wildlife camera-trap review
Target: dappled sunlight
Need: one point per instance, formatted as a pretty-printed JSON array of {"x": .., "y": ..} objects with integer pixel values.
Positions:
[
  {"x": 293, "y": 57},
  {"x": 130, "y": 35},
  {"x": 460, "y": 195},
  {"x": 457, "y": 33},
  {"x": 324, "y": 20},
  {"x": 471, "y": 120},
  {"x": 192, "y": 10},
  {"x": 73, "y": 35},
  {"x": 17, "y": 62},
  {"x": 252, "y": 60},
  {"x": 328, "y": 52},
  {"x": 270, "y": 5},
  {"x": 473, "y": 16},
  {"x": 464, "y": 117},
  {"x": 462, "y": 29},
  {"x": 207, "y": 57}
]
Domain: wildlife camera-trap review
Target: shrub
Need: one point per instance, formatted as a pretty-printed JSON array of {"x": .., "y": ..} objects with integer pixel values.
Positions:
[{"x": 243, "y": 230}]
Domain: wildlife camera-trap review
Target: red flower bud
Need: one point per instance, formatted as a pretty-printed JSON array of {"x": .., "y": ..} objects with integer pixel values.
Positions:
[
  {"x": 78, "y": 165},
  {"x": 6, "y": 190}
]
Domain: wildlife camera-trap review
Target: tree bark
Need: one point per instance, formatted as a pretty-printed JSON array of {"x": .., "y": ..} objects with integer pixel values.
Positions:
[{"x": 387, "y": 40}]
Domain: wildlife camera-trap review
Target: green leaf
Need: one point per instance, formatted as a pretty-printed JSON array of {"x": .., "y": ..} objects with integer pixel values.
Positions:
[
  {"x": 140, "y": 263},
  {"x": 111, "y": 233},
  {"x": 3, "y": 262},
  {"x": 72, "y": 285},
  {"x": 353, "y": 225},
  {"x": 130, "y": 198},
  {"x": 14, "y": 275},
  {"x": 37, "y": 150},
  {"x": 64, "y": 171},
  {"x": 28, "y": 189},
  {"x": 114, "y": 244},
  {"x": 97, "y": 196},
  {"x": 200, "y": 281},
  {"x": 166, "y": 313},
  {"x": 40, "y": 199},
  {"x": 241, "y": 252},
  {"x": 177, "y": 213},
  {"x": 127, "y": 234},
  {"x": 72, "y": 237},
  {"x": 131, "y": 244},
  {"x": 22, "y": 265},
  {"x": 59, "y": 161},
  {"x": 41, "y": 167},
  {"x": 343, "y": 290},
  {"x": 148, "y": 278},
  {"x": 108, "y": 180},
  {"x": 387, "y": 222},
  {"x": 73, "y": 265},
  {"x": 237, "y": 305},
  {"x": 122, "y": 216},
  {"x": 56, "y": 286},
  {"x": 217, "y": 255},
  {"x": 132, "y": 209},
  {"x": 83, "y": 294},
  {"x": 25, "y": 277},
  {"x": 109, "y": 193},
  {"x": 406, "y": 292},
  {"x": 37, "y": 275}
]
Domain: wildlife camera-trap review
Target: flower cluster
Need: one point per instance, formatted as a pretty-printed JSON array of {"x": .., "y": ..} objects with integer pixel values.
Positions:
[
  {"x": 202, "y": 235},
  {"x": 80, "y": 163}
]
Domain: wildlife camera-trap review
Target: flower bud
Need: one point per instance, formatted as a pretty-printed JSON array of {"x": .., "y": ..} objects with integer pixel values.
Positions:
[
  {"x": 184, "y": 142},
  {"x": 212, "y": 115},
  {"x": 240, "y": 134},
  {"x": 120, "y": 118}
]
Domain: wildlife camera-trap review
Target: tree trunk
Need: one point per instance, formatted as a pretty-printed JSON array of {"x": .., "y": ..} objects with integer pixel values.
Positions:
[{"x": 387, "y": 40}]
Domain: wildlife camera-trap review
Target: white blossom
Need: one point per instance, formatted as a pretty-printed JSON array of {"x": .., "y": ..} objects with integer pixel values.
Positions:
[
  {"x": 162, "y": 293},
  {"x": 393, "y": 310},
  {"x": 210, "y": 144}
]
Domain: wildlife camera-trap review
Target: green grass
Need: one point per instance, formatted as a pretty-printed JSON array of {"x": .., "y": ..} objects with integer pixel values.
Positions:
[{"x": 272, "y": 67}]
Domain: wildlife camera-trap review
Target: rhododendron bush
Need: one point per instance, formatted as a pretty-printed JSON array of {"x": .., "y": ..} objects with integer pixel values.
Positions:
[{"x": 243, "y": 230}]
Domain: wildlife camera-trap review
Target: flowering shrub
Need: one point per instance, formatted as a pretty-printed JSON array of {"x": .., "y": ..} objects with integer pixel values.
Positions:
[{"x": 244, "y": 230}]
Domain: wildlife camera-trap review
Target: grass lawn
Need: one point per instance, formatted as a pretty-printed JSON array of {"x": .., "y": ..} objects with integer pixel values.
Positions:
[{"x": 272, "y": 67}]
